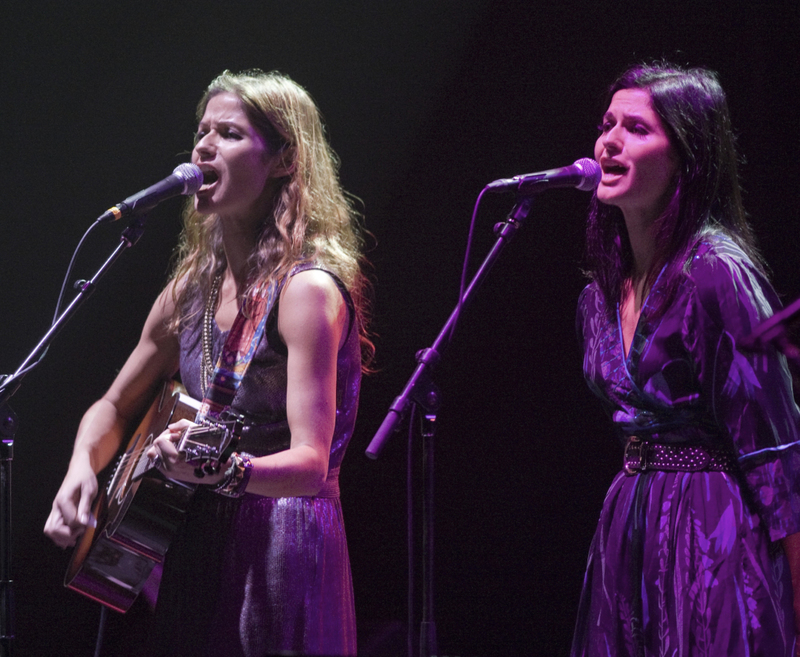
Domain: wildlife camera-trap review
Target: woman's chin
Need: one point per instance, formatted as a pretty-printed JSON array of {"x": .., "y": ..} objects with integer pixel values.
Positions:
[
  {"x": 203, "y": 205},
  {"x": 606, "y": 196}
]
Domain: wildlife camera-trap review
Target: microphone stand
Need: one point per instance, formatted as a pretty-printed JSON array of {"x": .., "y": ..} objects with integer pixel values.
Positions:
[
  {"x": 421, "y": 390},
  {"x": 8, "y": 427},
  {"x": 774, "y": 331}
]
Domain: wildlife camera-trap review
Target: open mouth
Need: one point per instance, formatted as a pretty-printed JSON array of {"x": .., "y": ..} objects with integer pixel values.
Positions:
[
  {"x": 614, "y": 169},
  {"x": 209, "y": 177}
]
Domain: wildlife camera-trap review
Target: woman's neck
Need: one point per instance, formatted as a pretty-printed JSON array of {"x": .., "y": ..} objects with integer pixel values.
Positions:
[
  {"x": 238, "y": 243},
  {"x": 641, "y": 234}
]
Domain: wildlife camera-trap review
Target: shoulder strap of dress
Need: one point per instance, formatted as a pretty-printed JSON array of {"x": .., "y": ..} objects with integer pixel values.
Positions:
[{"x": 348, "y": 299}]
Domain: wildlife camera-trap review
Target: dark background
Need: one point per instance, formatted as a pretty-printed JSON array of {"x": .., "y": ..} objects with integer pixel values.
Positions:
[{"x": 426, "y": 102}]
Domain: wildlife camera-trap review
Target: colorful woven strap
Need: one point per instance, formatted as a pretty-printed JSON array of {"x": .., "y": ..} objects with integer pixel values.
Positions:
[{"x": 236, "y": 354}]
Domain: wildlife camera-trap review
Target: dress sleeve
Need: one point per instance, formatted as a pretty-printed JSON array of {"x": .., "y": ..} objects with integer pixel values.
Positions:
[{"x": 749, "y": 394}]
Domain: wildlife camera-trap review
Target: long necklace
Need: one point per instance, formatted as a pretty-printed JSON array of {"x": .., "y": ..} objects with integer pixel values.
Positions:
[{"x": 207, "y": 369}]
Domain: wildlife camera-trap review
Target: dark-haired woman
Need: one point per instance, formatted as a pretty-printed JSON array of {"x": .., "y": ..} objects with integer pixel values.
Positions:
[
  {"x": 270, "y": 248},
  {"x": 690, "y": 553}
]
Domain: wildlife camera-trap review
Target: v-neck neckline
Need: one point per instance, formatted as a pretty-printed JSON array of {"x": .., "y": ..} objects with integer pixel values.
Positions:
[{"x": 626, "y": 355}]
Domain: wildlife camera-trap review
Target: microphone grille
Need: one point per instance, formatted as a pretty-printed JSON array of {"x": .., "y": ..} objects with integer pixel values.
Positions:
[
  {"x": 191, "y": 176},
  {"x": 591, "y": 174}
]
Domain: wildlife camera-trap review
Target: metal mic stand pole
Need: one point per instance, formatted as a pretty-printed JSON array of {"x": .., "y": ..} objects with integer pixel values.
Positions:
[
  {"x": 775, "y": 330},
  {"x": 8, "y": 427},
  {"x": 422, "y": 391},
  {"x": 8, "y": 424}
]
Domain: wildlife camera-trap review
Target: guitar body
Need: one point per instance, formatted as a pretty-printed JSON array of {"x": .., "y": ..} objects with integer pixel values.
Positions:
[{"x": 138, "y": 514}]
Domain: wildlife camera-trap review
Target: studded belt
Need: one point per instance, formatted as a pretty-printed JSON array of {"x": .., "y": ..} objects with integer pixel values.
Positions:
[{"x": 642, "y": 455}]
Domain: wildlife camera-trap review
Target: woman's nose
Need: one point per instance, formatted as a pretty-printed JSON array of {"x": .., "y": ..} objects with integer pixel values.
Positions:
[
  {"x": 611, "y": 142},
  {"x": 204, "y": 146}
]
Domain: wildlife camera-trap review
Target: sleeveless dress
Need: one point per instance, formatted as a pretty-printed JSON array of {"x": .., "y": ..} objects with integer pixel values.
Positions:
[
  {"x": 260, "y": 576},
  {"x": 685, "y": 563}
]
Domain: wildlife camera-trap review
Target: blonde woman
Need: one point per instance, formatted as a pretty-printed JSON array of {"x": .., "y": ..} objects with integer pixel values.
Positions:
[{"x": 260, "y": 565}]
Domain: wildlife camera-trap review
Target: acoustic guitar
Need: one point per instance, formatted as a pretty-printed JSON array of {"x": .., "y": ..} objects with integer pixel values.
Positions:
[{"x": 140, "y": 510}]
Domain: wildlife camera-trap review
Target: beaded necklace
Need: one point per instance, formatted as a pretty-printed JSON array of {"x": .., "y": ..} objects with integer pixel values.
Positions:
[{"x": 208, "y": 318}]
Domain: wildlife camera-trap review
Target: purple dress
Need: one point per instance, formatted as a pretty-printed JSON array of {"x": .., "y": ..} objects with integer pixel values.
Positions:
[
  {"x": 686, "y": 564},
  {"x": 260, "y": 576}
]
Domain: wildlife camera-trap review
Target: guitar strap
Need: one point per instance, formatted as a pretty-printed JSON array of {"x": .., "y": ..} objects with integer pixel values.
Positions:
[{"x": 237, "y": 352}]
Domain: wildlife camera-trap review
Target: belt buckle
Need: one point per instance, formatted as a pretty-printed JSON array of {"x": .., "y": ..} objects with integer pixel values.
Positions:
[{"x": 634, "y": 459}]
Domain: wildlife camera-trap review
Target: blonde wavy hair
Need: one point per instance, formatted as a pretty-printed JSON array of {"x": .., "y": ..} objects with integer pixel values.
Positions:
[{"x": 312, "y": 218}]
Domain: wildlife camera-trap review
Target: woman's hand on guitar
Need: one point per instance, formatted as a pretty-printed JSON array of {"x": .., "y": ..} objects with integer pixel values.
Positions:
[
  {"x": 71, "y": 513},
  {"x": 171, "y": 462}
]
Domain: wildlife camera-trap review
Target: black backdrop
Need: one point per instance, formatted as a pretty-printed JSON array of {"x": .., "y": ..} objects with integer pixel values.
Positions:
[{"x": 425, "y": 102}]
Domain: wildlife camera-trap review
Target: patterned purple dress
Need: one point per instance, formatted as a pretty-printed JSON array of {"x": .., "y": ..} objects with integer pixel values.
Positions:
[
  {"x": 262, "y": 576},
  {"x": 686, "y": 564}
]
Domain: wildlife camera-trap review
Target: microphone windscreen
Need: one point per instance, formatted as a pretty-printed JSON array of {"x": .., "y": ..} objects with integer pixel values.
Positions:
[
  {"x": 591, "y": 174},
  {"x": 191, "y": 176}
]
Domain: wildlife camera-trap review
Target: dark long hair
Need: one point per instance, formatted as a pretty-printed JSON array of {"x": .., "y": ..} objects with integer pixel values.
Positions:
[{"x": 707, "y": 196}]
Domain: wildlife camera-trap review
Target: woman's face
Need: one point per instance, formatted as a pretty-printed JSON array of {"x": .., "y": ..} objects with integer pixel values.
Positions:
[
  {"x": 236, "y": 162},
  {"x": 638, "y": 161}
]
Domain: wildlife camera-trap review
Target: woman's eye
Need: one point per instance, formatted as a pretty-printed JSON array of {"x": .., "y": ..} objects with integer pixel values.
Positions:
[
  {"x": 229, "y": 133},
  {"x": 604, "y": 127}
]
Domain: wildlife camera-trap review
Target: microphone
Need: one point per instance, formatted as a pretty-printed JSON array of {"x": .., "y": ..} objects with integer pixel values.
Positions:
[
  {"x": 584, "y": 174},
  {"x": 186, "y": 179}
]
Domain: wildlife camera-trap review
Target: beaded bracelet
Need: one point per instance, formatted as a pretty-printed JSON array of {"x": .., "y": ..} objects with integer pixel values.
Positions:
[{"x": 236, "y": 476}]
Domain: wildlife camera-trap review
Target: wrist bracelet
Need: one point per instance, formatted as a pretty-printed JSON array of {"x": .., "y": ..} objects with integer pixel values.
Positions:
[{"x": 236, "y": 476}]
